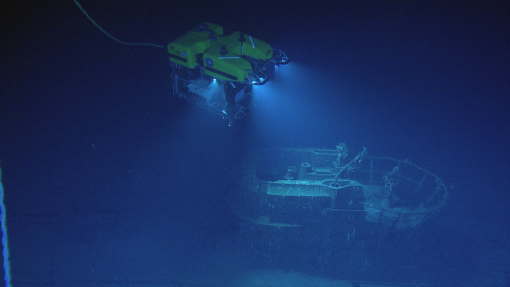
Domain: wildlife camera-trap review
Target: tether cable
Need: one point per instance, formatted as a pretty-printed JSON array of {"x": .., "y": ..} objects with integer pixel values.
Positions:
[{"x": 108, "y": 34}]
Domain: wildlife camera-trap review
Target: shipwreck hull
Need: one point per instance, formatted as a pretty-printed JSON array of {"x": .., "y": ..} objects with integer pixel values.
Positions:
[{"x": 313, "y": 206}]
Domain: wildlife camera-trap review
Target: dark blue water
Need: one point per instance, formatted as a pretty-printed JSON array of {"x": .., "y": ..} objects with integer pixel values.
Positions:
[{"x": 89, "y": 126}]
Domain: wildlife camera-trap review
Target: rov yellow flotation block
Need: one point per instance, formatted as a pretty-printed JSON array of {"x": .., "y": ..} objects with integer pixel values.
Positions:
[{"x": 230, "y": 57}]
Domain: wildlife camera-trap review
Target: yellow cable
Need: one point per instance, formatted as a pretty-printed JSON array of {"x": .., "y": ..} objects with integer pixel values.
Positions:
[{"x": 107, "y": 34}]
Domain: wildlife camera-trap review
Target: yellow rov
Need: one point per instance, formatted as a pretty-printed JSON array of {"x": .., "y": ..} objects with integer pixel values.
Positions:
[{"x": 215, "y": 71}]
